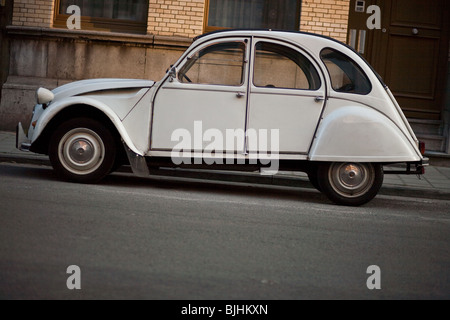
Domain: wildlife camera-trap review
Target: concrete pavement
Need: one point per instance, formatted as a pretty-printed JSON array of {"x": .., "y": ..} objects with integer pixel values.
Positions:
[{"x": 435, "y": 184}]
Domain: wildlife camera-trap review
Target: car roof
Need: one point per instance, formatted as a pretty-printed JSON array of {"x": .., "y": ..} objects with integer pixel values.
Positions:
[{"x": 268, "y": 32}]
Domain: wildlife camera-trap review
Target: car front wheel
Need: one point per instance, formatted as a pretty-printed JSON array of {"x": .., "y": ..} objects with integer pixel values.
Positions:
[
  {"x": 351, "y": 184},
  {"x": 82, "y": 150}
]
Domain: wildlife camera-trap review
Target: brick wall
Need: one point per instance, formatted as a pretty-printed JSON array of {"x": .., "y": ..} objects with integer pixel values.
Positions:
[
  {"x": 33, "y": 13},
  {"x": 326, "y": 17},
  {"x": 176, "y": 18}
]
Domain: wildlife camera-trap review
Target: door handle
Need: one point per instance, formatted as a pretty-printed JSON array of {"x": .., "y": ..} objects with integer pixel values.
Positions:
[
  {"x": 319, "y": 99},
  {"x": 240, "y": 94}
]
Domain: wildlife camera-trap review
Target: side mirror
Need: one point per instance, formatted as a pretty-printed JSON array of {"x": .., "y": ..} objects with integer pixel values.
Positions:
[{"x": 172, "y": 74}]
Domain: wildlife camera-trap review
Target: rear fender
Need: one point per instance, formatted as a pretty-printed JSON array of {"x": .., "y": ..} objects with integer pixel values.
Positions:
[{"x": 361, "y": 134}]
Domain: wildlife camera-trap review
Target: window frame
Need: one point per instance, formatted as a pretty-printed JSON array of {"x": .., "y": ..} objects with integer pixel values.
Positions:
[
  {"x": 207, "y": 28},
  {"x": 357, "y": 67},
  {"x": 315, "y": 78},
  {"x": 198, "y": 50},
  {"x": 101, "y": 24}
]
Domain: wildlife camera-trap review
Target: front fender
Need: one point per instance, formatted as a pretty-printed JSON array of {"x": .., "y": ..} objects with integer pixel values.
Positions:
[
  {"x": 57, "y": 107},
  {"x": 361, "y": 134}
]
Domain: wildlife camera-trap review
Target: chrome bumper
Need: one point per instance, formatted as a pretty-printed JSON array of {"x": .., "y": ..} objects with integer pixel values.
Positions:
[
  {"x": 425, "y": 162},
  {"x": 412, "y": 168},
  {"x": 22, "y": 141}
]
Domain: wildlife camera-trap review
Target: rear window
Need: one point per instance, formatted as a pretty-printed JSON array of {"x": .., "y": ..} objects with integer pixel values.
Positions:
[{"x": 346, "y": 76}]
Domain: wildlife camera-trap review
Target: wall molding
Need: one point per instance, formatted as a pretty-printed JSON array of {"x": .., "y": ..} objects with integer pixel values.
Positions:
[{"x": 149, "y": 40}]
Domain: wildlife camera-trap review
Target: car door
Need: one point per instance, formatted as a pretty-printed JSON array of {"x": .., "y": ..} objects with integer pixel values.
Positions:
[
  {"x": 287, "y": 93},
  {"x": 208, "y": 94}
]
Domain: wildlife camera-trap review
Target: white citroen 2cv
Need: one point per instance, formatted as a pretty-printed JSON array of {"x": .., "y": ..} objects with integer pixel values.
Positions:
[{"x": 327, "y": 111}]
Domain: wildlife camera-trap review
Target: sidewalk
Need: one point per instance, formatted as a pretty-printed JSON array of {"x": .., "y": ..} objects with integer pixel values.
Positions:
[{"x": 435, "y": 184}]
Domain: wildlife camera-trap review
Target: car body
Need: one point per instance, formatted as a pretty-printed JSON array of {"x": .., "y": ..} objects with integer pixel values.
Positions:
[{"x": 302, "y": 101}]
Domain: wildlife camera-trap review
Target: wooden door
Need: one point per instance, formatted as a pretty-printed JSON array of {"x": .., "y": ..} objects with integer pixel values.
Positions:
[{"x": 410, "y": 52}]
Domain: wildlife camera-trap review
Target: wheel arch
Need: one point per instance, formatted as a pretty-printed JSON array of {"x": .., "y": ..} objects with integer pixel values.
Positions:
[
  {"x": 350, "y": 184},
  {"x": 76, "y": 110}
]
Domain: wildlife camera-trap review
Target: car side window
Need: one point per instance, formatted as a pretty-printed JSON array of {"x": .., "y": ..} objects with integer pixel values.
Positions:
[
  {"x": 278, "y": 66},
  {"x": 218, "y": 64},
  {"x": 346, "y": 75}
]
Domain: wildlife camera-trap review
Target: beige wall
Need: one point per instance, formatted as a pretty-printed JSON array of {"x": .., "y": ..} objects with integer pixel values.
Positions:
[
  {"x": 176, "y": 18},
  {"x": 185, "y": 18},
  {"x": 33, "y": 13}
]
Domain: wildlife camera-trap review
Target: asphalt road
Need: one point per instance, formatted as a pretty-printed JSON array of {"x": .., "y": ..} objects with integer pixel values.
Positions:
[{"x": 162, "y": 238}]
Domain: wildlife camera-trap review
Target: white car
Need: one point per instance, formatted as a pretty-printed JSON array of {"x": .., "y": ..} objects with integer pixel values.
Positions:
[{"x": 237, "y": 100}]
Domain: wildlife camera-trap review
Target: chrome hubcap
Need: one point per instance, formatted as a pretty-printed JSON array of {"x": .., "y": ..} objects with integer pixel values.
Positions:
[
  {"x": 81, "y": 151},
  {"x": 351, "y": 179},
  {"x": 351, "y": 175}
]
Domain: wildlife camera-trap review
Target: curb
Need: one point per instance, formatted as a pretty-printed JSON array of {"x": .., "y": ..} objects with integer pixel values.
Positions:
[{"x": 245, "y": 177}]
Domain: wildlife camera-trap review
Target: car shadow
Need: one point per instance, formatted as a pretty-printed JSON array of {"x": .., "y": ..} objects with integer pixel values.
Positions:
[
  {"x": 300, "y": 190},
  {"x": 219, "y": 187},
  {"x": 303, "y": 193}
]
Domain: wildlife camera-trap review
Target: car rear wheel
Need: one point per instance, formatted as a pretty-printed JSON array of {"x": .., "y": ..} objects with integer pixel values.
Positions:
[
  {"x": 82, "y": 150},
  {"x": 350, "y": 184}
]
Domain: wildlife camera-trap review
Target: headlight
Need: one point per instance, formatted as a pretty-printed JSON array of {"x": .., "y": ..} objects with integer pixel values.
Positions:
[{"x": 44, "y": 96}]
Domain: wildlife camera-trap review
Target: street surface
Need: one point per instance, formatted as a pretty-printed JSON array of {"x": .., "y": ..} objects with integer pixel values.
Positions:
[{"x": 166, "y": 238}]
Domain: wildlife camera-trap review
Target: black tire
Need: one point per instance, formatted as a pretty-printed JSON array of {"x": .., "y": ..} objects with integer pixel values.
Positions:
[
  {"x": 313, "y": 177},
  {"x": 82, "y": 150},
  {"x": 350, "y": 184}
]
